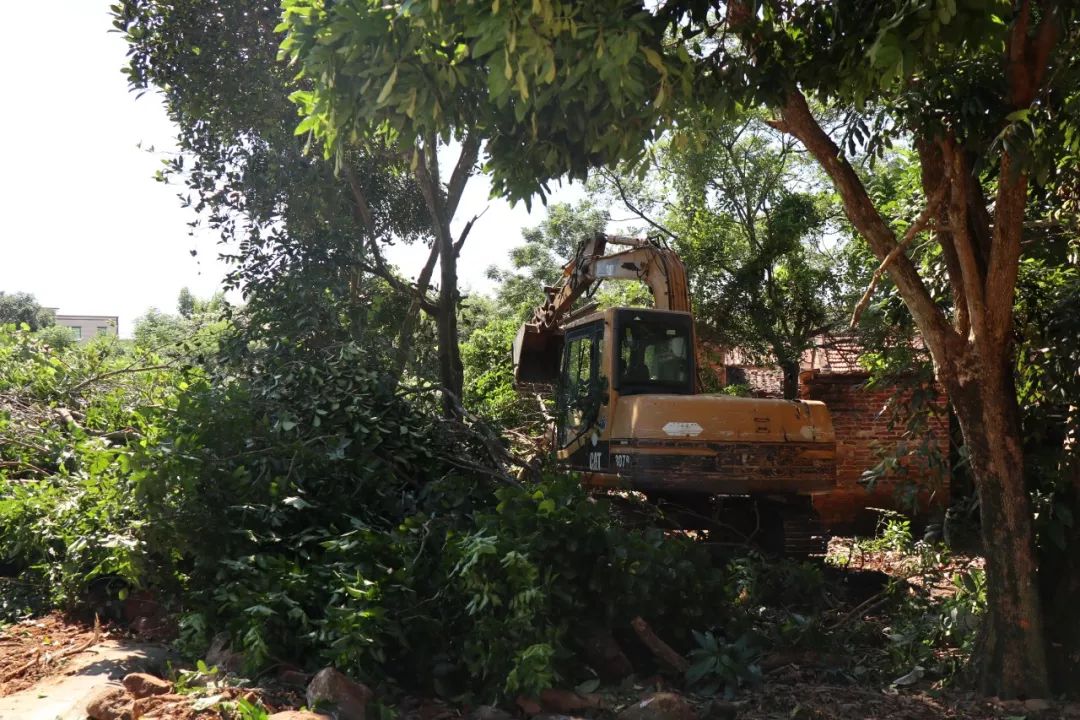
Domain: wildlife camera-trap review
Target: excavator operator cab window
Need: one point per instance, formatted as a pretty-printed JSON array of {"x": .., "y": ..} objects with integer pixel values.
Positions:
[
  {"x": 655, "y": 353},
  {"x": 582, "y": 385}
]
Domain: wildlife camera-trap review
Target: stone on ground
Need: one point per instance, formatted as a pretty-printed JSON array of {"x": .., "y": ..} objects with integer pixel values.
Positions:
[
  {"x": 346, "y": 699},
  {"x": 488, "y": 712},
  {"x": 298, "y": 715},
  {"x": 142, "y": 685},
  {"x": 110, "y": 703},
  {"x": 660, "y": 706}
]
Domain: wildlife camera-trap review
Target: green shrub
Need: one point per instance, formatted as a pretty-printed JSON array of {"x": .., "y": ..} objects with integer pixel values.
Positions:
[{"x": 289, "y": 497}]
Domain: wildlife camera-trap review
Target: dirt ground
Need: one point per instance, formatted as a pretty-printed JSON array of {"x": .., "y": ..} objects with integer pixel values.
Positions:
[
  {"x": 34, "y": 649},
  {"x": 793, "y": 689}
]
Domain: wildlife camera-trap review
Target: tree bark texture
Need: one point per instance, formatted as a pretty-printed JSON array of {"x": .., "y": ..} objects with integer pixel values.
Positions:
[
  {"x": 1010, "y": 656},
  {"x": 976, "y": 368},
  {"x": 972, "y": 353}
]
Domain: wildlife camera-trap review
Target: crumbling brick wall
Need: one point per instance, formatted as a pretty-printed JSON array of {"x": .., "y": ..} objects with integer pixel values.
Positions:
[{"x": 862, "y": 434}]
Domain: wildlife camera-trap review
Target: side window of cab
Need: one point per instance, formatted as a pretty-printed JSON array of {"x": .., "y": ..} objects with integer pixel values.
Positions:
[{"x": 580, "y": 384}]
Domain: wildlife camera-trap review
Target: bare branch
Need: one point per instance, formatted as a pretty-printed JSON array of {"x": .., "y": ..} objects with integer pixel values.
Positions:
[
  {"x": 465, "y": 231},
  {"x": 470, "y": 149},
  {"x": 916, "y": 227},
  {"x": 630, "y": 206}
]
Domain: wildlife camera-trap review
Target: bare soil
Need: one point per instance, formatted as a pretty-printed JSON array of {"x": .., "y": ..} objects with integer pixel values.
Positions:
[
  {"x": 795, "y": 687},
  {"x": 37, "y": 648}
]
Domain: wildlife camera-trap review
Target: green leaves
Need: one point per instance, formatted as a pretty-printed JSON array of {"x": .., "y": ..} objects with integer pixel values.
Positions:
[
  {"x": 500, "y": 82},
  {"x": 388, "y": 87}
]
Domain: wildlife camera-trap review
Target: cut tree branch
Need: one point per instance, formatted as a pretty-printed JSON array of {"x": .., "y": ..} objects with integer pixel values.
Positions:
[
  {"x": 916, "y": 227},
  {"x": 797, "y": 120},
  {"x": 131, "y": 369},
  {"x": 664, "y": 652}
]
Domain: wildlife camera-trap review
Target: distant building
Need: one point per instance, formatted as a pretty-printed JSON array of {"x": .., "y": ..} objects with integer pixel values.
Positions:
[{"x": 87, "y": 327}]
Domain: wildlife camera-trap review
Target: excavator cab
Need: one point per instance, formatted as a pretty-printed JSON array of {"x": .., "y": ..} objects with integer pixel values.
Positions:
[
  {"x": 655, "y": 352},
  {"x": 651, "y": 351}
]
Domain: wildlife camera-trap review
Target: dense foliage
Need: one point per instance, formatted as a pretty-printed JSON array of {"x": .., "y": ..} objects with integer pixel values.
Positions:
[
  {"x": 301, "y": 505},
  {"x": 19, "y": 308}
]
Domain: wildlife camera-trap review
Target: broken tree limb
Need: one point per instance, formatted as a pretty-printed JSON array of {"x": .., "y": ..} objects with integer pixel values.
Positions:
[
  {"x": 664, "y": 652},
  {"x": 916, "y": 227}
]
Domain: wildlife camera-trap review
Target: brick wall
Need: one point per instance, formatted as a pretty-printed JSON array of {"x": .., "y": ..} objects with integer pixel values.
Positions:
[{"x": 862, "y": 432}]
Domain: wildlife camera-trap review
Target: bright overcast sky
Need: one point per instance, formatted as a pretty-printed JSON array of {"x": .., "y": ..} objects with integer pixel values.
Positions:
[{"x": 83, "y": 225}]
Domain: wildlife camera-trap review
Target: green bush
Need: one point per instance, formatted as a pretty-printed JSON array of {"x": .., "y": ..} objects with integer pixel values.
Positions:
[
  {"x": 69, "y": 418},
  {"x": 287, "y": 496}
]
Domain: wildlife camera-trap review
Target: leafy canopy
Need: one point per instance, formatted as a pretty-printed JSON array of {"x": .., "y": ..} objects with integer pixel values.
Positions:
[{"x": 558, "y": 87}]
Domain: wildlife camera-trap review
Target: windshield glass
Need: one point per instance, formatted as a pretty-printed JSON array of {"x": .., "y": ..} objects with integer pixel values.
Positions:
[{"x": 654, "y": 353}]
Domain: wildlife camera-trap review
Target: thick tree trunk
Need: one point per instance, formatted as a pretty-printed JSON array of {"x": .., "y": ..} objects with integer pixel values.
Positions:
[
  {"x": 973, "y": 360},
  {"x": 1011, "y": 651},
  {"x": 441, "y": 207}
]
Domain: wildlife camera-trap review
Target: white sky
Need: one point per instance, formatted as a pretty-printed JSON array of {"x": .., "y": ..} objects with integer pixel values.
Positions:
[{"x": 83, "y": 225}]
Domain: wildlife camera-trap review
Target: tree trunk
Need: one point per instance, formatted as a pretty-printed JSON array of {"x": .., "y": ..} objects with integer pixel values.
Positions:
[
  {"x": 975, "y": 365},
  {"x": 408, "y": 325},
  {"x": 1060, "y": 585},
  {"x": 441, "y": 207},
  {"x": 791, "y": 378},
  {"x": 1011, "y": 650},
  {"x": 451, "y": 371}
]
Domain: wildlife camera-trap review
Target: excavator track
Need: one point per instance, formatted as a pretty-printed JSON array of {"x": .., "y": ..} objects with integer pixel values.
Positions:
[
  {"x": 803, "y": 535},
  {"x": 787, "y": 527}
]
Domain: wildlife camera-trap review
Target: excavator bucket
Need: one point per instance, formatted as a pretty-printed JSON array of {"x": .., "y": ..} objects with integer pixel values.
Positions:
[{"x": 536, "y": 355}]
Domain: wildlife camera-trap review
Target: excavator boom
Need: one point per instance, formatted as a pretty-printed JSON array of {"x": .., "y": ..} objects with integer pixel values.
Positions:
[{"x": 538, "y": 345}]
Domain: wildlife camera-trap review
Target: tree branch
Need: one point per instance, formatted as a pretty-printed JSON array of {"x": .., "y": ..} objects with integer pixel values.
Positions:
[
  {"x": 381, "y": 270},
  {"x": 1028, "y": 61},
  {"x": 630, "y": 206},
  {"x": 797, "y": 120},
  {"x": 971, "y": 273},
  {"x": 932, "y": 165},
  {"x": 916, "y": 227},
  {"x": 470, "y": 149},
  {"x": 112, "y": 373},
  {"x": 465, "y": 231}
]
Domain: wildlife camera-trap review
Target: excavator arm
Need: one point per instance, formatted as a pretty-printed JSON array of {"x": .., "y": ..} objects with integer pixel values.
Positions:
[{"x": 538, "y": 345}]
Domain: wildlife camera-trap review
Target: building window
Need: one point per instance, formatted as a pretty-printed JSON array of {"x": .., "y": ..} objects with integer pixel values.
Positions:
[
  {"x": 77, "y": 329},
  {"x": 102, "y": 330}
]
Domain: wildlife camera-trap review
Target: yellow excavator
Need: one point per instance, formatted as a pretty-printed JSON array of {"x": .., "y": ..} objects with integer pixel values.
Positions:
[{"x": 630, "y": 412}]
